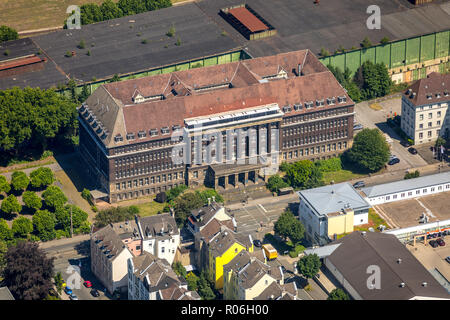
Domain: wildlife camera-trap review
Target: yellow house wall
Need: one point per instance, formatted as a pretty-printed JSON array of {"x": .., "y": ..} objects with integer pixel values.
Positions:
[
  {"x": 341, "y": 224},
  {"x": 222, "y": 260}
]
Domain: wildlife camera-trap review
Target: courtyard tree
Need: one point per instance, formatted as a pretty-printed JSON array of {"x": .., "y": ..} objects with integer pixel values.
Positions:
[
  {"x": 32, "y": 200},
  {"x": 62, "y": 215},
  {"x": 287, "y": 226},
  {"x": 338, "y": 294},
  {"x": 304, "y": 174},
  {"x": 3, "y": 250},
  {"x": 369, "y": 151},
  {"x": 28, "y": 272},
  {"x": 11, "y": 205},
  {"x": 309, "y": 265},
  {"x": 54, "y": 197},
  {"x": 110, "y": 10},
  {"x": 22, "y": 227},
  {"x": 184, "y": 204},
  {"x": 373, "y": 80},
  {"x": 44, "y": 225},
  {"x": 179, "y": 269},
  {"x": 4, "y": 185},
  {"x": 19, "y": 181},
  {"x": 41, "y": 177},
  {"x": 6, "y": 233},
  {"x": 275, "y": 183}
]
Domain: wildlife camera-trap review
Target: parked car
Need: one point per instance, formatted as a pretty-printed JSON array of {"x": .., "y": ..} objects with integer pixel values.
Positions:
[
  {"x": 357, "y": 126},
  {"x": 95, "y": 293},
  {"x": 392, "y": 156},
  {"x": 440, "y": 242},
  {"x": 359, "y": 184},
  {"x": 447, "y": 259},
  {"x": 405, "y": 143},
  {"x": 257, "y": 243},
  {"x": 68, "y": 290},
  {"x": 73, "y": 297},
  {"x": 87, "y": 284},
  {"x": 412, "y": 150},
  {"x": 393, "y": 161},
  {"x": 434, "y": 244}
]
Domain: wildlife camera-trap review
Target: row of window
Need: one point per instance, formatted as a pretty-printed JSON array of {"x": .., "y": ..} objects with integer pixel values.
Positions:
[
  {"x": 143, "y": 158},
  {"x": 424, "y": 191},
  {"x": 144, "y": 146},
  {"x": 148, "y": 180},
  {"x": 429, "y": 134},
  {"x": 126, "y": 173},
  {"x": 315, "y": 115},
  {"x": 144, "y": 192},
  {"x": 316, "y": 138},
  {"x": 314, "y": 150},
  {"x": 316, "y": 126}
]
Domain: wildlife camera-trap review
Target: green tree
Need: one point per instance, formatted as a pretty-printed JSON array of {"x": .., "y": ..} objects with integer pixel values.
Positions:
[
  {"x": 373, "y": 80},
  {"x": 42, "y": 177},
  {"x": 62, "y": 215},
  {"x": 439, "y": 142},
  {"x": 324, "y": 52},
  {"x": 54, "y": 197},
  {"x": 309, "y": 265},
  {"x": 304, "y": 174},
  {"x": 32, "y": 200},
  {"x": 287, "y": 226},
  {"x": 6, "y": 233},
  {"x": 192, "y": 281},
  {"x": 113, "y": 215},
  {"x": 21, "y": 227},
  {"x": 345, "y": 79},
  {"x": 19, "y": 181},
  {"x": 4, "y": 185},
  {"x": 384, "y": 40},
  {"x": 366, "y": 43},
  {"x": 115, "y": 78},
  {"x": 338, "y": 294},
  {"x": 44, "y": 225},
  {"x": 205, "y": 287},
  {"x": 184, "y": 204},
  {"x": 370, "y": 151},
  {"x": 85, "y": 91},
  {"x": 179, "y": 269},
  {"x": 110, "y": 10},
  {"x": 90, "y": 13},
  {"x": 11, "y": 205},
  {"x": 7, "y": 33},
  {"x": 28, "y": 272},
  {"x": 130, "y": 7},
  {"x": 275, "y": 183},
  {"x": 3, "y": 250},
  {"x": 58, "y": 279},
  {"x": 411, "y": 175},
  {"x": 175, "y": 192},
  {"x": 209, "y": 193}
]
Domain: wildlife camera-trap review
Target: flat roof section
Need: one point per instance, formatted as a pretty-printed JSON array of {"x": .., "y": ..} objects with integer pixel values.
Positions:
[{"x": 249, "y": 20}]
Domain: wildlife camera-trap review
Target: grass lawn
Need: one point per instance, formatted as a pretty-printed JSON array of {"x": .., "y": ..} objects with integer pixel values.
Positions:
[
  {"x": 150, "y": 208},
  {"x": 340, "y": 176},
  {"x": 374, "y": 221},
  {"x": 25, "y": 15}
]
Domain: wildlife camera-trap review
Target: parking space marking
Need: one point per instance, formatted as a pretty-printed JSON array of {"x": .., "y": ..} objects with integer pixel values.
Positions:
[{"x": 427, "y": 211}]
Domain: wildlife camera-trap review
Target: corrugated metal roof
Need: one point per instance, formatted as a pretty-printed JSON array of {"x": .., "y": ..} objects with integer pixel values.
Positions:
[
  {"x": 406, "y": 185},
  {"x": 322, "y": 252},
  {"x": 249, "y": 20},
  {"x": 333, "y": 198}
]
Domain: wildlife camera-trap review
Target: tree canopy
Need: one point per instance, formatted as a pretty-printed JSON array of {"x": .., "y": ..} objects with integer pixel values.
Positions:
[
  {"x": 62, "y": 215},
  {"x": 275, "y": 183},
  {"x": 287, "y": 226},
  {"x": 41, "y": 177},
  {"x": 32, "y": 118},
  {"x": 32, "y": 200},
  {"x": 11, "y": 205},
  {"x": 113, "y": 215},
  {"x": 44, "y": 225},
  {"x": 309, "y": 265},
  {"x": 19, "y": 181},
  {"x": 4, "y": 185},
  {"x": 179, "y": 269},
  {"x": 54, "y": 197},
  {"x": 373, "y": 80},
  {"x": 338, "y": 294},
  {"x": 28, "y": 272},
  {"x": 21, "y": 227},
  {"x": 304, "y": 175},
  {"x": 369, "y": 151},
  {"x": 184, "y": 204},
  {"x": 7, "y": 33},
  {"x": 6, "y": 233}
]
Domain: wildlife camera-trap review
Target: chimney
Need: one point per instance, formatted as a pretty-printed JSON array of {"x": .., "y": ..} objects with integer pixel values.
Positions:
[
  {"x": 399, "y": 260},
  {"x": 209, "y": 201}
]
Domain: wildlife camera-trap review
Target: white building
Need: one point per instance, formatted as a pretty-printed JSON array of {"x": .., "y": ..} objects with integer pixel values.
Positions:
[
  {"x": 407, "y": 189},
  {"x": 331, "y": 209},
  {"x": 160, "y": 235},
  {"x": 424, "y": 108}
]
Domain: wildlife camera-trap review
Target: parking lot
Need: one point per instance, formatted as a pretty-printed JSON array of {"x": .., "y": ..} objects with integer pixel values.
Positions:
[
  {"x": 433, "y": 259},
  {"x": 372, "y": 115},
  {"x": 406, "y": 213}
]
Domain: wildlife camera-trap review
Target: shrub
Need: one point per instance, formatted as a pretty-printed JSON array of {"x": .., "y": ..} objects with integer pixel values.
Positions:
[
  {"x": 7, "y": 33},
  {"x": 11, "y": 205},
  {"x": 412, "y": 175},
  {"x": 19, "y": 181},
  {"x": 275, "y": 183},
  {"x": 42, "y": 177},
  {"x": 329, "y": 165},
  {"x": 32, "y": 200},
  {"x": 54, "y": 197},
  {"x": 82, "y": 44},
  {"x": 366, "y": 43},
  {"x": 86, "y": 195},
  {"x": 171, "y": 31}
]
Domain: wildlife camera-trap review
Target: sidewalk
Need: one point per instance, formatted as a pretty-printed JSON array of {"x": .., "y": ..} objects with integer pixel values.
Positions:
[
  {"x": 266, "y": 200},
  {"x": 64, "y": 241}
]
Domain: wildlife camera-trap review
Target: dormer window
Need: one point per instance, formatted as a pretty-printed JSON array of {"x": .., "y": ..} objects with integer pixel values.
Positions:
[
  {"x": 438, "y": 95},
  {"x": 153, "y": 132},
  {"x": 297, "y": 106},
  {"x": 95, "y": 124},
  {"x": 142, "y": 134},
  {"x": 130, "y": 136},
  {"x": 429, "y": 96},
  {"x": 287, "y": 109},
  {"x": 165, "y": 130},
  {"x": 342, "y": 99},
  {"x": 176, "y": 127},
  {"x": 308, "y": 104},
  {"x": 320, "y": 103},
  {"x": 118, "y": 138}
]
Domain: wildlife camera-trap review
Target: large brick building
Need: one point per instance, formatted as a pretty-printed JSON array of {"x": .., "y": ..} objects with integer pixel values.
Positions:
[{"x": 229, "y": 124}]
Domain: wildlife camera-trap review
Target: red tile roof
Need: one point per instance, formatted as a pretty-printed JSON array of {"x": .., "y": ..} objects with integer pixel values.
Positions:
[
  {"x": 250, "y": 21},
  {"x": 429, "y": 90}
]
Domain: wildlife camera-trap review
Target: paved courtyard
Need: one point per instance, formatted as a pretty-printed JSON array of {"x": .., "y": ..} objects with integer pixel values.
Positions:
[{"x": 406, "y": 213}]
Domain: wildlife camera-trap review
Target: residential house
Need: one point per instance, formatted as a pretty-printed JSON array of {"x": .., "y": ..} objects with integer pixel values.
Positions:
[{"x": 275, "y": 291}]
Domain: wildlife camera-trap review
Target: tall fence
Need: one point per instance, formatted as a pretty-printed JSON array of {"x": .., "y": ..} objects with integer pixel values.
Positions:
[{"x": 398, "y": 53}]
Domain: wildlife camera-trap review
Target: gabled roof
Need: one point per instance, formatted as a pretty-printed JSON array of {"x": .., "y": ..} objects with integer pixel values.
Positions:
[
  {"x": 109, "y": 241},
  {"x": 359, "y": 251},
  {"x": 153, "y": 225},
  {"x": 429, "y": 90}
]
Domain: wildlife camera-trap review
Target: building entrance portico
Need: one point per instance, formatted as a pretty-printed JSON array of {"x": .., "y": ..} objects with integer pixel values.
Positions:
[{"x": 229, "y": 176}]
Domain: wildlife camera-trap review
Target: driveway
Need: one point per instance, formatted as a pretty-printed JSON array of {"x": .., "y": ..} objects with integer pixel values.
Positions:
[{"x": 375, "y": 117}]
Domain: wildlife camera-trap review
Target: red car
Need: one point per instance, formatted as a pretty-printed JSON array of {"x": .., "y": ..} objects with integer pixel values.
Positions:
[{"x": 87, "y": 284}]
